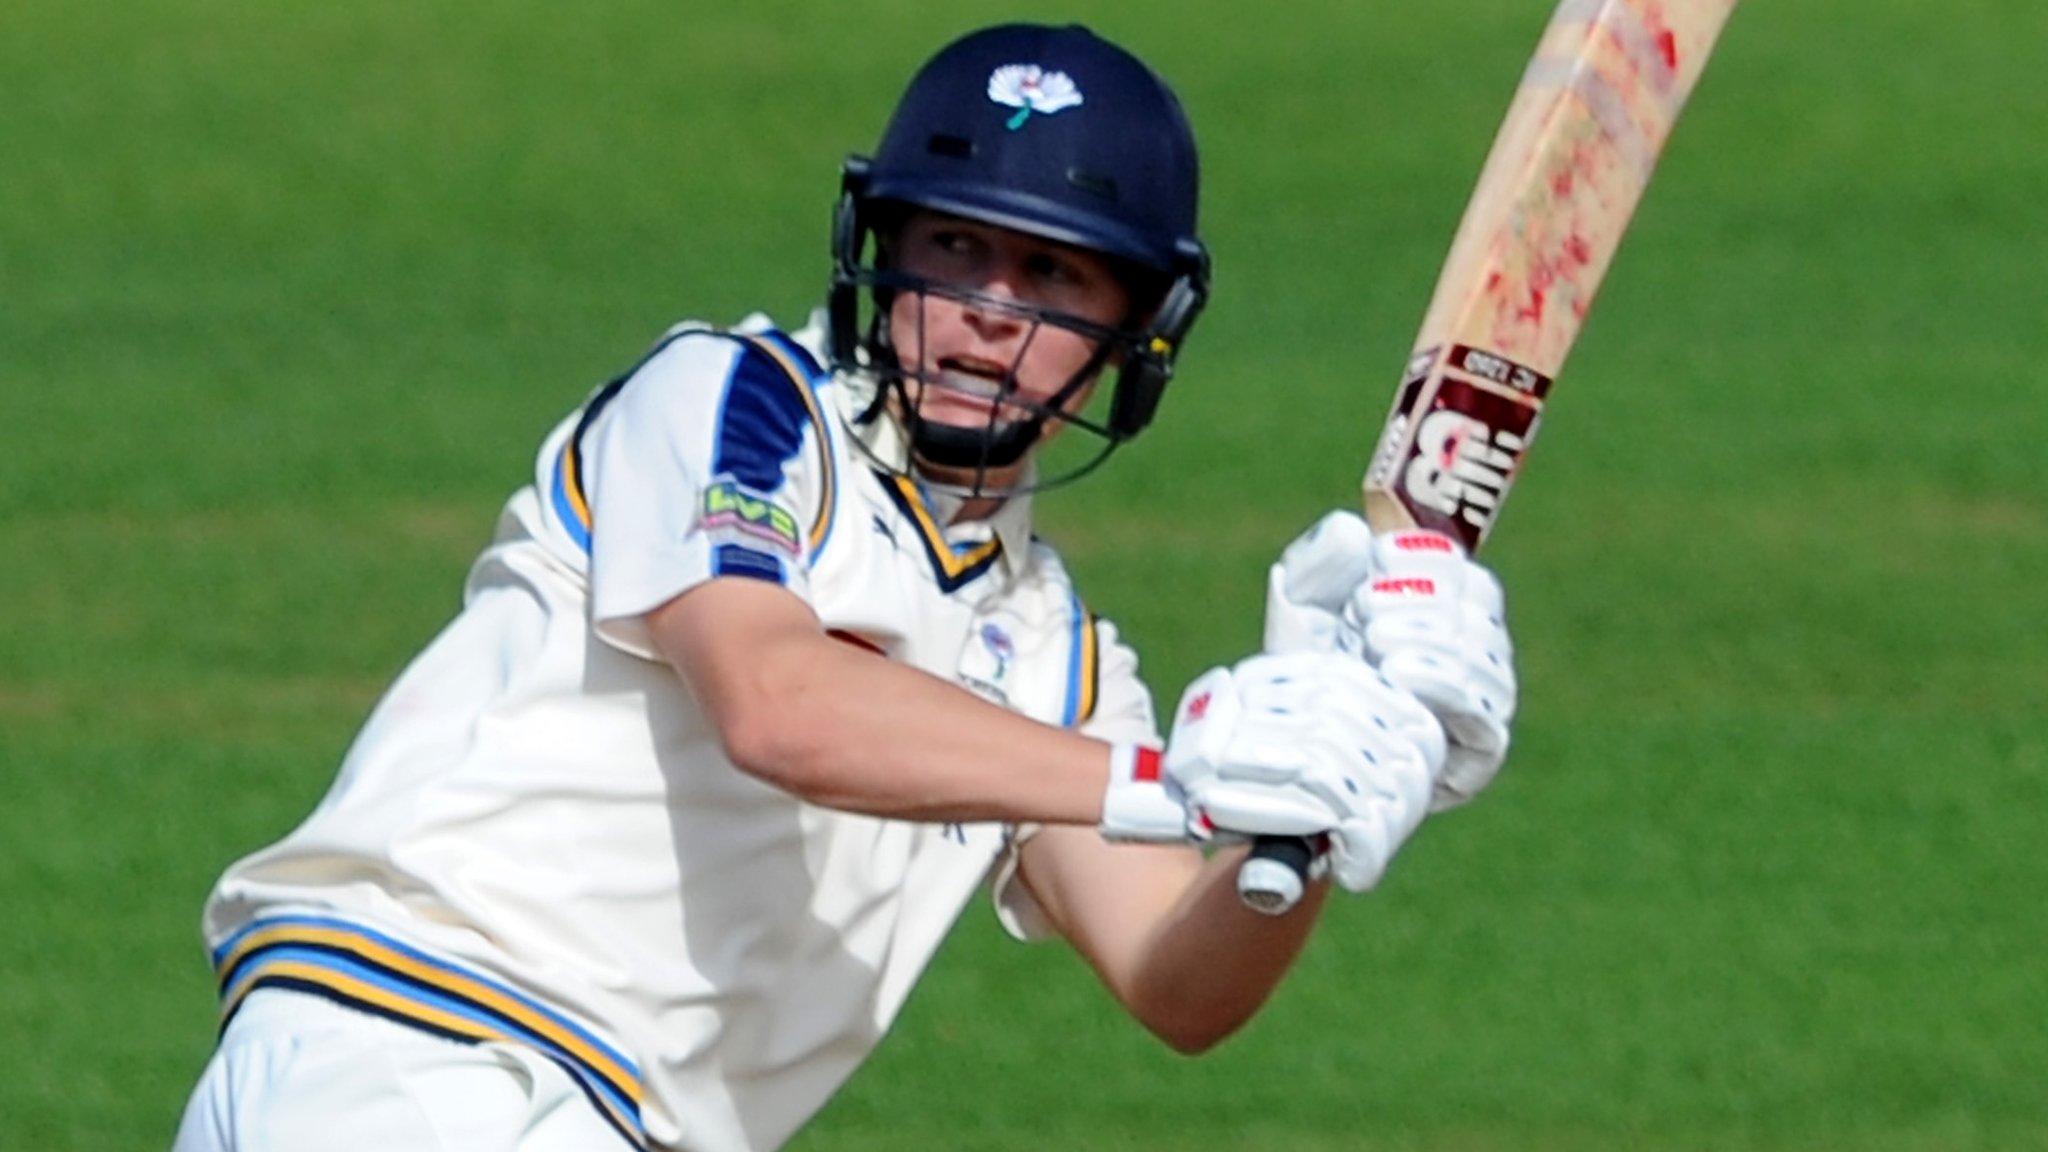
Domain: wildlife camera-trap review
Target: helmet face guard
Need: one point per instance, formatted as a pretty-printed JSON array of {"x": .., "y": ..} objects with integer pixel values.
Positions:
[
  {"x": 1015, "y": 423},
  {"x": 1052, "y": 133}
]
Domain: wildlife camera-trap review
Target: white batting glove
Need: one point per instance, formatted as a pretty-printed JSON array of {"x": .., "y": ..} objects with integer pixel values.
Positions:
[
  {"x": 1428, "y": 617},
  {"x": 1435, "y": 622},
  {"x": 1307, "y": 590},
  {"x": 1142, "y": 805},
  {"x": 1307, "y": 744}
]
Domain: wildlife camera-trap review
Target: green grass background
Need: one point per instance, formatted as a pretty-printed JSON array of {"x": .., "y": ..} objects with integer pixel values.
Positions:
[{"x": 288, "y": 292}]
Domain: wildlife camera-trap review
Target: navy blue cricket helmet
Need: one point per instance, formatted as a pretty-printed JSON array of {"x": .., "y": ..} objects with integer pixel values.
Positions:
[{"x": 1052, "y": 132}]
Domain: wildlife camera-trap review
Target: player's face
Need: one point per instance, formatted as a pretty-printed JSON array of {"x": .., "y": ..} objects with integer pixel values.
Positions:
[{"x": 967, "y": 351}]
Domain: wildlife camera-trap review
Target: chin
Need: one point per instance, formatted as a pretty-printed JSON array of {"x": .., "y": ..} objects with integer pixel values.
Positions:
[{"x": 992, "y": 482}]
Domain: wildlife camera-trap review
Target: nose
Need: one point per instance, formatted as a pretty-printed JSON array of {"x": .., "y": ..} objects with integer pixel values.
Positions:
[
  {"x": 992, "y": 324},
  {"x": 986, "y": 313}
]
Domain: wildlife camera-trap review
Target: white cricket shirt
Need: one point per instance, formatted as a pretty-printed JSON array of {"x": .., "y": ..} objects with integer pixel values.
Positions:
[{"x": 536, "y": 837}]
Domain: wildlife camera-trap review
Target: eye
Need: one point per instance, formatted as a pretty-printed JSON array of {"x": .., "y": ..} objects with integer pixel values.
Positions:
[
  {"x": 1055, "y": 269},
  {"x": 955, "y": 242}
]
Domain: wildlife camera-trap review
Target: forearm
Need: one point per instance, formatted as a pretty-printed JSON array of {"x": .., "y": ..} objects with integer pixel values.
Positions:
[
  {"x": 1166, "y": 931},
  {"x": 1210, "y": 963},
  {"x": 889, "y": 740},
  {"x": 851, "y": 730}
]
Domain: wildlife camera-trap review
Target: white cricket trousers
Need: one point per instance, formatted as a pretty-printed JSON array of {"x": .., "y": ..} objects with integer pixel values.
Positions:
[{"x": 296, "y": 1073}]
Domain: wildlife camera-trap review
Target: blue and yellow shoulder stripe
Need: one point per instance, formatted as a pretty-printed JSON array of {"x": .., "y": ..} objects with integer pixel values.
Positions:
[
  {"x": 771, "y": 394},
  {"x": 371, "y": 972}
]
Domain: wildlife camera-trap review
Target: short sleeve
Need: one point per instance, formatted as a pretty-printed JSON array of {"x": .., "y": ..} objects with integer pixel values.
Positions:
[
  {"x": 709, "y": 460},
  {"x": 1016, "y": 908},
  {"x": 1121, "y": 708}
]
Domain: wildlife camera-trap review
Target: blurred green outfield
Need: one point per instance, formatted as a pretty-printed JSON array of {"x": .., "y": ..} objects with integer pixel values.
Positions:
[{"x": 288, "y": 291}]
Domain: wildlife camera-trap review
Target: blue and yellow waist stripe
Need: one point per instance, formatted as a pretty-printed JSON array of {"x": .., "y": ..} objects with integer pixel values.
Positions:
[{"x": 371, "y": 972}]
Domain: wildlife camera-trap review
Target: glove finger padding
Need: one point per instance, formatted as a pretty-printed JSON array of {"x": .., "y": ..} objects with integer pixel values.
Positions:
[
  {"x": 1474, "y": 706},
  {"x": 1360, "y": 851},
  {"x": 1433, "y": 622},
  {"x": 1366, "y": 815},
  {"x": 1242, "y": 809},
  {"x": 1466, "y": 774},
  {"x": 1321, "y": 743},
  {"x": 1295, "y": 697},
  {"x": 1307, "y": 589}
]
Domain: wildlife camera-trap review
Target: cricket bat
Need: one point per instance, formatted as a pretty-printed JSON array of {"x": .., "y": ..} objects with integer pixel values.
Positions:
[{"x": 1566, "y": 171}]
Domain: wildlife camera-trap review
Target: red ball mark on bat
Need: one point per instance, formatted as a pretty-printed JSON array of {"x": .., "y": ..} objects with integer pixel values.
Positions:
[
  {"x": 1577, "y": 250},
  {"x": 1586, "y": 160},
  {"x": 1447, "y": 456},
  {"x": 1667, "y": 46},
  {"x": 1561, "y": 184},
  {"x": 1541, "y": 277},
  {"x": 1664, "y": 40}
]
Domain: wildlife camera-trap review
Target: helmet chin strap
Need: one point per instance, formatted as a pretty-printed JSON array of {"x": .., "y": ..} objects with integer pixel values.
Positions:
[{"x": 998, "y": 444}]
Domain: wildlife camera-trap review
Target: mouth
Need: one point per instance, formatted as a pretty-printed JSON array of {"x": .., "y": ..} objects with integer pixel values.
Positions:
[
  {"x": 974, "y": 376},
  {"x": 967, "y": 386}
]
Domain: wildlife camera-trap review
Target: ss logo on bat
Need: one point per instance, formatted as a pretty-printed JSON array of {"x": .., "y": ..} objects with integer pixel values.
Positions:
[{"x": 1461, "y": 466}]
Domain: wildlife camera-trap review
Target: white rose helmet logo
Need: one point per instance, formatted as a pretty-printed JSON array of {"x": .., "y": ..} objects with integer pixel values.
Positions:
[{"x": 1029, "y": 88}]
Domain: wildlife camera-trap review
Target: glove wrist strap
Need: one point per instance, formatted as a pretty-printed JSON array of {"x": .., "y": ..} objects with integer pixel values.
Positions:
[{"x": 1141, "y": 804}]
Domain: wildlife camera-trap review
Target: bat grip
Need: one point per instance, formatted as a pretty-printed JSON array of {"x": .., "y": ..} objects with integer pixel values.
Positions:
[{"x": 1272, "y": 879}]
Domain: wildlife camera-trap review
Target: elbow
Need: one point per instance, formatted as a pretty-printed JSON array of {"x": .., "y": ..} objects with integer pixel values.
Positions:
[
  {"x": 1192, "y": 1037},
  {"x": 1190, "y": 1029},
  {"x": 780, "y": 734},
  {"x": 753, "y": 742},
  {"x": 749, "y": 656},
  {"x": 768, "y": 744}
]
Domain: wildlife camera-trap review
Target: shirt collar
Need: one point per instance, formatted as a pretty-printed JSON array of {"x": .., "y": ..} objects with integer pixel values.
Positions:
[{"x": 882, "y": 440}]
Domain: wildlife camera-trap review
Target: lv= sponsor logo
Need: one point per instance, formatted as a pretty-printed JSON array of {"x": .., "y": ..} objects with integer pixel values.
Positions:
[{"x": 730, "y": 506}]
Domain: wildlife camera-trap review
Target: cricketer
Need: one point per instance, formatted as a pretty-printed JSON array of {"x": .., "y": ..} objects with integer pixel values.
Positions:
[{"x": 765, "y": 676}]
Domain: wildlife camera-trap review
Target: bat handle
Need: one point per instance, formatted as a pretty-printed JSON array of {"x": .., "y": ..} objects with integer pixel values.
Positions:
[{"x": 1272, "y": 879}]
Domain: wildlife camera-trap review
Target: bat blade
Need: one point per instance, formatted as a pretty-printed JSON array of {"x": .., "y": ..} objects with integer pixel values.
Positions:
[{"x": 1560, "y": 184}]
